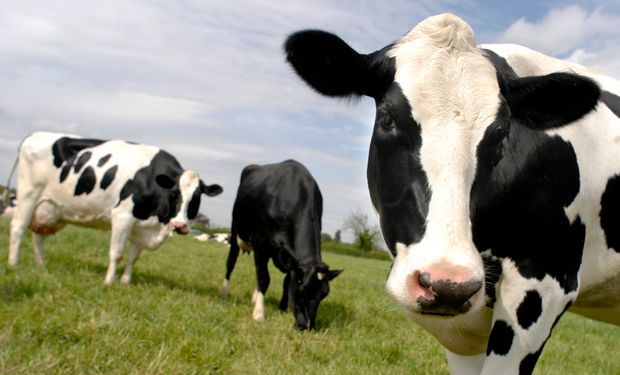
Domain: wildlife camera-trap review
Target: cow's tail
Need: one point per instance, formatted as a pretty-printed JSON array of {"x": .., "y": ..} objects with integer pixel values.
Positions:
[{"x": 6, "y": 195}]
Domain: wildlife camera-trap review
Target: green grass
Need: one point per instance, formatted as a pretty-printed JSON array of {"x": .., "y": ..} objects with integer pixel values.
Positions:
[{"x": 172, "y": 320}]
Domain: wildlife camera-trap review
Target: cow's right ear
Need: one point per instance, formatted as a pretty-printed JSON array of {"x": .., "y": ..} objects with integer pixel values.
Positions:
[
  {"x": 164, "y": 181},
  {"x": 211, "y": 190},
  {"x": 331, "y": 67}
]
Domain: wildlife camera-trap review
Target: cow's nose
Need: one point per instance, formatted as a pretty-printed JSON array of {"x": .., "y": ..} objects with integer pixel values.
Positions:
[
  {"x": 442, "y": 296},
  {"x": 180, "y": 227}
]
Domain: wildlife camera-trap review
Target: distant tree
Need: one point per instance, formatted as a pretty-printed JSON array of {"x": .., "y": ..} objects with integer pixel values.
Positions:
[
  {"x": 365, "y": 234},
  {"x": 337, "y": 236},
  {"x": 325, "y": 237}
]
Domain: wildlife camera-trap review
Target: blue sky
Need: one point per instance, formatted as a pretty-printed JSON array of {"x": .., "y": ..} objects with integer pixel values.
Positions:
[{"x": 207, "y": 81}]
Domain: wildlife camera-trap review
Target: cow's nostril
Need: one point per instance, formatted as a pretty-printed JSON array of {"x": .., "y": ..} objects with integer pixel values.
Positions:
[{"x": 425, "y": 280}]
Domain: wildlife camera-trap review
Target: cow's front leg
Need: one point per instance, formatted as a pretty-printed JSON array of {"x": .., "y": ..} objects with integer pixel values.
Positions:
[
  {"x": 120, "y": 232},
  {"x": 284, "y": 301},
  {"x": 262, "y": 281},
  {"x": 525, "y": 312},
  {"x": 134, "y": 254}
]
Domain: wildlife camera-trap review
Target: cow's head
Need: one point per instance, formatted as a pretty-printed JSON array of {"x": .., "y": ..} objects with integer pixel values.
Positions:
[
  {"x": 438, "y": 98},
  {"x": 184, "y": 197},
  {"x": 308, "y": 286}
]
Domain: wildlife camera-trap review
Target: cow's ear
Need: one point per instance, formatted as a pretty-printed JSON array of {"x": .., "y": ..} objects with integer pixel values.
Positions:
[
  {"x": 211, "y": 190},
  {"x": 331, "y": 67},
  {"x": 333, "y": 273},
  {"x": 551, "y": 101},
  {"x": 164, "y": 181}
]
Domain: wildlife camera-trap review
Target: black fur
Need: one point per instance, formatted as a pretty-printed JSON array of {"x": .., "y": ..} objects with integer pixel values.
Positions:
[
  {"x": 108, "y": 177},
  {"x": 500, "y": 340},
  {"x": 86, "y": 182},
  {"x": 610, "y": 213},
  {"x": 278, "y": 210},
  {"x": 529, "y": 309}
]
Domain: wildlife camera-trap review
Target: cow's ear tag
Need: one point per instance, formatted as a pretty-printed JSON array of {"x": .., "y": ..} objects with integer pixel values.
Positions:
[{"x": 164, "y": 181}]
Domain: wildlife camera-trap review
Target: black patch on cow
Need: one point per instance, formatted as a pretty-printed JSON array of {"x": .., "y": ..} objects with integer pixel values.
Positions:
[
  {"x": 612, "y": 101},
  {"x": 397, "y": 183},
  {"x": 149, "y": 198},
  {"x": 103, "y": 160},
  {"x": 528, "y": 363},
  {"x": 524, "y": 181},
  {"x": 86, "y": 182},
  {"x": 81, "y": 161},
  {"x": 500, "y": 339},
  {"x": 529, "y": 309},
  {"x": 108, "y": 177},
  {"x": 194, "y": 205},
  {"x": 66, "y": 148},
  {"x": 64, "y": 172},
  {"x": 610, "y": 213}
]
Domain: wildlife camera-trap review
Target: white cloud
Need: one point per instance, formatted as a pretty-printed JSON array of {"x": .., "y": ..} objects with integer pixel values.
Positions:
[{"x": 588, "y": 37}]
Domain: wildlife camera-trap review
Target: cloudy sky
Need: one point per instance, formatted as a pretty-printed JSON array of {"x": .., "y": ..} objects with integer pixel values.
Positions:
[{"x": 206, "y": 80}]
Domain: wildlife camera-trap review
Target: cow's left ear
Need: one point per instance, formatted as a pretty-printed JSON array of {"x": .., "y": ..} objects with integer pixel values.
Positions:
[
  {"x": 333, "y": 273},
  {"x": 551, "y": 101},
  {"x": 164, "y": 181},
  {"x": 211, "y": 190}
]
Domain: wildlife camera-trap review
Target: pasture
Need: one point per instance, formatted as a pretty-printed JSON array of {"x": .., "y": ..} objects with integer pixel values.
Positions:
[{"x": 172, "y": 320}]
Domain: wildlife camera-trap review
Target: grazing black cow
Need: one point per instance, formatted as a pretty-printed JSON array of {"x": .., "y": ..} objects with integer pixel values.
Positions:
[
  {"x": 140, "y": 192},
  {"x": 277, "y": 215},
  {"x": 495, "y": 171}
]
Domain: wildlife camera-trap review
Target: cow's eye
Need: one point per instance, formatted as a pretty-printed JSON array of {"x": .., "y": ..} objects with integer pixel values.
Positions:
[{"x": 388, "y": 124}]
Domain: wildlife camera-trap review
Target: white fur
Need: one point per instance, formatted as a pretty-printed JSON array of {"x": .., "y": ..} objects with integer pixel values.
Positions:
[{"x": 259, "y": 306}]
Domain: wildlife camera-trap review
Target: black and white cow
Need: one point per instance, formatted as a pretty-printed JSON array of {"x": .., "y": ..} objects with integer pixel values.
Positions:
[
  {"x": 277, "y": 215},
  {"x": 495, "y": 172},
  {"x": 140, "y": 192}
]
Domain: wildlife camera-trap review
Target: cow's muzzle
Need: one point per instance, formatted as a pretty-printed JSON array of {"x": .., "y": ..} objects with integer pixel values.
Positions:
[
  {"x": 180, "y": 227},
  {"x": 442, "y": 297}
]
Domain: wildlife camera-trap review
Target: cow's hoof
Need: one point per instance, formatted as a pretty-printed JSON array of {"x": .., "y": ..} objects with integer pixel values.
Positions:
[
  {"x": 125, "y": 279},
  {"x": 259, "y": 317}
]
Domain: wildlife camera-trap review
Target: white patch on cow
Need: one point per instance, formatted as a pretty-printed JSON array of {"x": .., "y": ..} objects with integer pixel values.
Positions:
[
  {"x": 188, "y": 183},
  {"x": 454, "y": 95},
  {"x": 246, "y": 247},
  {"x": 259, "y": 306}
]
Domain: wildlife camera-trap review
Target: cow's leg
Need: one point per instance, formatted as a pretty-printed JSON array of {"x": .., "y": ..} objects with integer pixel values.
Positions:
[
  {"x": 134, "y": 253},
  {"x": 120, "y": 232},
  {"x": 20, "y": 222},
  {"x": 231, "y": 261},
  {"x": 262, "y": 278},
  {"x": 284, "y": 301},
  {"x": 37, "y": 245},
  {"x": 526, "y": 311},
  {"x": 464, "y": 365}
]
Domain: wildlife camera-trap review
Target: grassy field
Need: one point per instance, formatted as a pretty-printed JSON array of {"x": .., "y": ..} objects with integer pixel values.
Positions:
[{"x": 172, "y": 320}]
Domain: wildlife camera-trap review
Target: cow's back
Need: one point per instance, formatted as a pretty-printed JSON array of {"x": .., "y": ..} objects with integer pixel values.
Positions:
[{"x": 274, "y": 197}]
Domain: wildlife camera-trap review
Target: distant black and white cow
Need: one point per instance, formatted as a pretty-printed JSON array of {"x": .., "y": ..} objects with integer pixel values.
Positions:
[
  {"x": 277, "y": 215},
  {"x": 140, "y": 192},
  {"x": 495, "y": 171}
]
